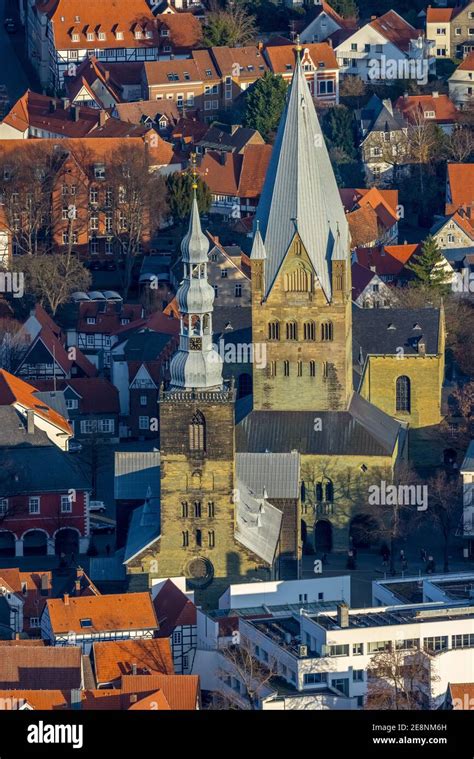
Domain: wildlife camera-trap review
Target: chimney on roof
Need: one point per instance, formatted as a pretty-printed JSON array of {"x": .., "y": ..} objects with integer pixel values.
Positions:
[
  {"x": 260, "y": 46},
  {"x": 435, "y": 94},
  {"x": 343, "y": 615},
  {"x": 17, "y": 636},
  {"x": 329, "y": 41},
  {"x": 106, "y": 75},
  {"x": 79, "y": 572},
  {"x": 421, "y": 346},
  {"x": 77, "y": 586},
  {"x": 52, "y": 106},
  {"x": 30, "y": 421},
  {"x": 76, "y": 112},
  {"x": 66, "y": 103},
  {"x": 134, "y": 668},
  {"x": 133, "y": 698},
  {"x": 44, "y": 583},
  {"x": 102, "y": 118},
  {"x": 66, "y": 599}
]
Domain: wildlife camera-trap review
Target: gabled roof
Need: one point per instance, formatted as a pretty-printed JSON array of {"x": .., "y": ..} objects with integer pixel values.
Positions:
[
  {"x": 31, "y": 667},
  {"x": 257, "y": 523},
  {"x": 436, "y": 15},
  {"x": 249, "y": 58},
  {"x": 239, "y": 174},
  {"x": 386, "y": 260},
  {"x": 461, "y": 185},
  {"x": 282, "y": 58},
  {"x": 14, "y": 391},
  {"x": 88, "y": 73},
  {"x": 120, "y": 611},
  {"x": 414, "y": 107},
  {"x": 300, "y": 193},
  {"x": 180, "y": 691},
  {"x": 142, "y": 109},
  {"x": 395, "y": 29},
  {"x": 466, "y": 65},
  {"x": 278, "y": 474},
  {"x": 50, "y": 115},
  {"x": 112, "y": 659},
  {"x": 39, "y": 700},
  {"x": 97, "y": 395},
  {"x": 361, "y": 276},
  {"x": 173, "y": 608},
  {"x": 379, "y": 331}
]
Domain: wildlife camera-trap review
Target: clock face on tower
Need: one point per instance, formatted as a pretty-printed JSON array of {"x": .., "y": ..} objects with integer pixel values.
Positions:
[{"x": 195, "y": 343}]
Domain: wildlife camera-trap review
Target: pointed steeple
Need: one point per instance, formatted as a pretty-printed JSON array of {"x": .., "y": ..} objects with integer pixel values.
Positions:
[
  {"x": 258, "y": 252},
  {"x": 300, "y": 191},
  {"x": 196, "y": 365}
]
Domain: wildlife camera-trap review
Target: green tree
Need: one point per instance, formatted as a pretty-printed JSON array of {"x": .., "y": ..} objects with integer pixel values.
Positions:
[
  {"x": 180, "y": 195},
  {"x": 231, "y": 26},
  {"x": 339, "y": 127},
  {"x": 428, "y": 268},
  {"x": 345, "y": 8},
  {"x": 264, "y": 104}
]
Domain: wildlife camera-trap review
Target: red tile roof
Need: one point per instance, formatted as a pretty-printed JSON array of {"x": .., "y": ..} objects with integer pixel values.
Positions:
[
  {"x": 38, "y": 587},
  {"x": 464, "y": 695},
  {"x": 31, "y": 667},
  {"x": 388, "y": 260},
  {"x": 106, "y": 321},
  {"x": 181, "y": 691},
  {"x": 395, "y": 29},
  {"x": 414, "y": 107},
  {"x": 156, "y": 701},
  {"x": 251, "y": 61},
  {"x": 112, "y": 659},
  {"x": 120, "y": 611},
  {"x": 34, "y": 110},
  {"x": 185, "y": 31},
  {"x": 14, "y": 391},
  {"x": 109, "y": 17},
  {"x": 173, "y": 608},
  {"x": 461, "y": 183},
  {"x": 467, "y": 64},
  {"x": 239, "y": 174},
  {"x": 435, "y": 15},
  {"x": 40, "y": 700},
  {"x": 254, "y": 169},
  {"x": 282, "y": 56}
]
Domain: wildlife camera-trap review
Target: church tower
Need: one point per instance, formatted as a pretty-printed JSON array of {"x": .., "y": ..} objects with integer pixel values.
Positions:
[
  {"x": 197, "y": 442},
  {"x": 301, "y": 278}
]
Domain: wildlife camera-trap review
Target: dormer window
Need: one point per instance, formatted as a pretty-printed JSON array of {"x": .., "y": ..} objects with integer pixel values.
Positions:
[
  {"x": 99, "y": 171},
  {"x": 164, "y": 32},
  {"x": 208, "y": 72},
  {"x": 75, "y": 37},
  {"x": 119, "y": 35},
  {"x": 91, "y": 320},
  {"x": 289, "y": 67},
  {"x": 90, "y": 36},
  {"x": 149, "y": 34},
  {"x": 102, "y": 36},
  {"x": 138, "y": 34},
  {"x": 86, "y": 622},
  {"x": 429, "y": 114},
  {"x": 124, "y": 321}
]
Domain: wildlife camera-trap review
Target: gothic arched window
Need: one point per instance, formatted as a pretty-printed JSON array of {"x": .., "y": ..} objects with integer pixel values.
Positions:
[
  {"x": 197, "y": 433},
  {"x": 403, "y": 392},
  {"x": 326, "y": 331},
  {"x": 291, "y": 331},
  {"x": 309, "y": 331},
  {"x": 274, "y": 330}
]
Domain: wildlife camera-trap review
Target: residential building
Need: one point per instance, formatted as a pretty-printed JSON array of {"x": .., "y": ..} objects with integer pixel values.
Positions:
[
  {"x": 61, "y": 35},
  {"x": 325, "y": 23},
  {"x": 176, "y": 614},
  {"x": 372, "y": 216},
  {"x": 114, "y": 659},
  {"x": 23, "y": 596},
  {"x": 384, "y": 146},
  {"x": 286, "y": 592},
  {"x": 462, "y": 31},
  {"x": 229, "y": 275},
  {"x": 388, "y": 261},
  {"x": 319, "y": 64},
  {"x": 369, "y": 290},
  {"x": 235, "y": 179},
  {"x": 438, "y": 29},
  {"x": 83, "y": 621},
  {"x": 228, "y": 139},
  {"x": 423, "y": 109},
  {"x": 461, "y": 82},
  {"x": 387, "y": 47},
  {"x": 192, "y": 83},
  {"x": 47, "y": 357},
  {"x": 93, "y": 86},
  {"x": 162, "y": 117},
  {"x": 455, "y": 231}
]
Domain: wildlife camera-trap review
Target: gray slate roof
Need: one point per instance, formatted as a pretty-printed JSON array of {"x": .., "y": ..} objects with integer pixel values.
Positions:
[
  {"x": 379, "y": 331},
  {"x": 144, "y": 528},
  {"x": 40, "y": 469},
  {"x": 277, "y": 473},
  {"x": 363, "y": 430},
  {"x": 135, "y": 473},
  {"x": 300, "y": 192},
  {"x": 257, "y": 523},
  {"x": 13, "y": 430}
]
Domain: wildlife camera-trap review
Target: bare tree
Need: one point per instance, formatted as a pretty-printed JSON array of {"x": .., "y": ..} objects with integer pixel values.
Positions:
[
  {"x": 13, "y": 343},
  {"x": 445, "y": 508},
  {"x": 254, "y": 677},
  {"x": 460, "y": 144},
  {"x": 135, "y": 204},
  {"x": 399, "y": 679},
  {"x": 52, "y": 278}
]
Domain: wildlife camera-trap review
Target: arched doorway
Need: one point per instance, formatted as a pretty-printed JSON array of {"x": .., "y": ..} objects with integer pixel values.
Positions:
[
  {"x": 66, "y": 541},
  {"x": 244, "y": 385},
  {"x": 364, "y": 531},
  {"x": 323, "y": 535},
  {"x": 7, "y": 543},
  {"x": 35, "y": 543}
]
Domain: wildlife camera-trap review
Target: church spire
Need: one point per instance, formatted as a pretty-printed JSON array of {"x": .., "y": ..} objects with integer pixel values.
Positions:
[
  {"x": 300, "y": 185},
  {"x": 196, "y": 365}
]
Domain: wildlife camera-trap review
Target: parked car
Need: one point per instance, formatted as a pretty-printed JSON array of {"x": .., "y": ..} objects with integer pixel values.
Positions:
[
  {"x": 97, "y": 506},
  {"x": 97, "y": 528}
]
